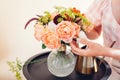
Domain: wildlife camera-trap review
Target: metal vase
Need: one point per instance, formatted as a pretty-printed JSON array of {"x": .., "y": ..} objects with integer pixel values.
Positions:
[{"x": 86, "y": 65}]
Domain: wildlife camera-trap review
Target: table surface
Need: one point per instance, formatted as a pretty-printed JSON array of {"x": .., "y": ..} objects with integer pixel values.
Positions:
[{"x": 35, "y": 68}]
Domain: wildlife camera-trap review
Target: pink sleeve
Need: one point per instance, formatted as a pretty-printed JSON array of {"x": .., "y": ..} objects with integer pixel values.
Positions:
[{"x": 94, "y": 12}]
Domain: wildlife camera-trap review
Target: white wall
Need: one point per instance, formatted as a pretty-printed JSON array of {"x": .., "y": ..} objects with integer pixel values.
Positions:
[{"x": 14, "y": 40}]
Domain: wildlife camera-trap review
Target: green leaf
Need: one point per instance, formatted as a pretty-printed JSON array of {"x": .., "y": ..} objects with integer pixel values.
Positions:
[
  {"x": 59, "y": 19},
  {"x": 43, "y": 46},
  {"x": 16, "y": 67},
  {"x": 47, "y": 13},
  {"x": 19, "y": 64}
]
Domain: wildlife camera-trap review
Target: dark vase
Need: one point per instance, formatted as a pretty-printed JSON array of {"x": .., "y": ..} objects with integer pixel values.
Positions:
[{"x": 86, "y": 65}]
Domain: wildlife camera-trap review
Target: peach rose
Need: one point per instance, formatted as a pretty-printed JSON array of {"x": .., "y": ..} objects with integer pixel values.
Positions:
[
  {"x": 40, "y": 30},
  {"x": 65, "y": 31},
  {"x": 77, "y": 29},
  {"x": 51, "y": 40}
]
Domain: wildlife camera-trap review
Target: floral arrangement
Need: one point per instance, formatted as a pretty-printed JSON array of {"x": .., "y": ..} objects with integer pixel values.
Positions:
[{"x": 68, "y": 23}]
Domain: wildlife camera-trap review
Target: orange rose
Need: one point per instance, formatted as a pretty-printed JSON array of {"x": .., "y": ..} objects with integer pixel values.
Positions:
[
  {"x": 51, "y": 40},
  {"x": 65, "y": 31}
]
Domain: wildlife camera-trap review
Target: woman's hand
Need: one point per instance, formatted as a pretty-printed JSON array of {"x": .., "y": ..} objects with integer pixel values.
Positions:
[{"x": 93, "y": 49}]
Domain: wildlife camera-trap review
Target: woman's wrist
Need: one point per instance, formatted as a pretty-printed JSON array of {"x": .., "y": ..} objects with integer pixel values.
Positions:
[{"x": 114, "y": 53}]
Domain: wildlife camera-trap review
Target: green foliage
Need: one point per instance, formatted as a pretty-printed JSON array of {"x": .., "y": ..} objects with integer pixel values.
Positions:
[
  {"x": 16, "y": 67},
  {"x": 59, "y": 19},
  {"x": 70, "y": 14},
  {"x": 43, "y": 46},
  {"x": 73, "y": 15},
  {"x": 46, "y": 18}
]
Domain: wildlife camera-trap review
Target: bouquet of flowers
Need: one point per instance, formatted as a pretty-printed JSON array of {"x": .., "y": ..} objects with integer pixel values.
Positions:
[{"x": 68, "y": 23}]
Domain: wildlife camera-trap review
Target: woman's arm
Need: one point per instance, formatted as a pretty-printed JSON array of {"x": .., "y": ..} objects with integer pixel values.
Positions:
[
  {"x": 94, "y": 49},
  {"x": 114, "y": 53}
]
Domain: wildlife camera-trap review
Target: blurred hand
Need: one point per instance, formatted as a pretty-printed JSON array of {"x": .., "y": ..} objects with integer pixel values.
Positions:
[{"x": 93, "y": 49}]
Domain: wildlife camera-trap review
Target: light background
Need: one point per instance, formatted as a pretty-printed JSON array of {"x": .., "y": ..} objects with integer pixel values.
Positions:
[{"x": 17, "y": 42}]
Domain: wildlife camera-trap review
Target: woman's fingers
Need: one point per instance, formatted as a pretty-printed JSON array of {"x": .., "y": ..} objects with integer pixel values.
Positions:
[
  {"x": 75, "y": 44},
  {"x": 76, "y": 49},
  {"x": 93, "y": 49},
  {"x": 83, "y": 41}
]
